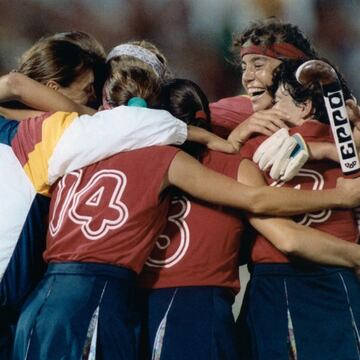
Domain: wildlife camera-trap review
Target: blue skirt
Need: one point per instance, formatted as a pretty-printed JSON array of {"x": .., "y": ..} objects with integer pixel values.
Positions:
[
  {"x": 302, "y": 312},
  {"x": 80, "y": 310},
  {"x": 191, "y": 323}
]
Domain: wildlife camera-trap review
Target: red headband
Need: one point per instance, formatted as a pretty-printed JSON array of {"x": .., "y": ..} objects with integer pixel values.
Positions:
[
  {"x": 200, "y": 114},
  {"x": 277, "y": 51}
]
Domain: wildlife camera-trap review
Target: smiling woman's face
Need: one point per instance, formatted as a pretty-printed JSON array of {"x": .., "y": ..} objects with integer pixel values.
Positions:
[{"x": 256, "y": 77}]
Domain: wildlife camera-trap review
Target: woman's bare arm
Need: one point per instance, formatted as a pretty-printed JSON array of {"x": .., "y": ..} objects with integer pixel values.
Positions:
[
  {"x": 211, "y": 140},
  {"x": 19, "y": 87},
  {"x": 297, "y": 240},
  {"x": 300, "y": 241},
  {"x": 19, "y": 114},
  {"x": 190, "y": 176},
  {"x": 322, "y": 151},
  {"x": 265, "y": 122}
]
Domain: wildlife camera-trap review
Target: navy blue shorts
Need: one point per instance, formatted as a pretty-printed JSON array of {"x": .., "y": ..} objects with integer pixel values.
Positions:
[
  {"x": 189, "y": 323},
  {"x": 80, "y": 309},
  {"x": 301, "y": 312}
]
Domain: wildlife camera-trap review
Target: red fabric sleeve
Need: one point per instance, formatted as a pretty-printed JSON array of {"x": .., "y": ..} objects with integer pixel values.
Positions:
[{"x": 227, "y": 113}]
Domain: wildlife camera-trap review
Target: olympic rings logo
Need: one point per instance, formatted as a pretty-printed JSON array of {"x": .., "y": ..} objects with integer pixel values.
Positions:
[{"x": 350, "y": 165}]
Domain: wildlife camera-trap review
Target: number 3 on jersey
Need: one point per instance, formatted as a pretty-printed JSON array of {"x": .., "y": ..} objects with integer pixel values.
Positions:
[
  {"x": 96, "y": 207},
  {"x": 172, "y": 245}
]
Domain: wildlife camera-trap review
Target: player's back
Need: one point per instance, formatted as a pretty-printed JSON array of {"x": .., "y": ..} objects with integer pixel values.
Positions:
[
  {"x": 111, "y": 211},
  {"x": 200, "y": 243},
  {"x": 315, "y": 175}
]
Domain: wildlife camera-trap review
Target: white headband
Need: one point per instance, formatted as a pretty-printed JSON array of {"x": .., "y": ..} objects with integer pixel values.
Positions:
[{"x": 140, "y": 53}]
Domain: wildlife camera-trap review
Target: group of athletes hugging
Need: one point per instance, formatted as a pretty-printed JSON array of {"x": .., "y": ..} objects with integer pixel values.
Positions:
[{"x": 122, "y": 229}]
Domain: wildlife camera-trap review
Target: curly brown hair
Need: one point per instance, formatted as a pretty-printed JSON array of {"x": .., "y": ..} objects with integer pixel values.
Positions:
[
  {"x": 284, "y": 75},
  {"x": 272, "y": 31}
]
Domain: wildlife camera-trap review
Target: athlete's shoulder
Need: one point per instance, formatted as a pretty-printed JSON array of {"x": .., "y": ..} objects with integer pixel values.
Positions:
[
  {"x": 155, "y": 149},
  {"x": 247, "y": 151},
  {"x": 41, "y": 125},
  {"x": 240, "y": 104},
  {"x": 34, "y": 143},
  {"x": 313, "y": 130},
  {"x": 229, "y": 112},
  {"x": 149, "y": 157},
  {"x": 226, "y": 164}
]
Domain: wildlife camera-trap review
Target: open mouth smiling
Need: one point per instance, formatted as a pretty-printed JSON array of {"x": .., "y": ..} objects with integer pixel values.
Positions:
[{"x": 255, "y": 93}]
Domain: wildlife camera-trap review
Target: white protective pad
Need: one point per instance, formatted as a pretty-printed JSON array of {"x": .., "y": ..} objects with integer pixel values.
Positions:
[
  {"x": 284, "y": 154},
  {"x": 266, "y": 153}
]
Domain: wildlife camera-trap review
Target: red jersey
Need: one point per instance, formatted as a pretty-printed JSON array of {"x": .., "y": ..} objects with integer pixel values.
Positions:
[
  {"x": 110, "y": 212},
  {"x": 315, "y": 175},
  {"x": 200, "y": 244},
  {"x": 228, "y": 113}
]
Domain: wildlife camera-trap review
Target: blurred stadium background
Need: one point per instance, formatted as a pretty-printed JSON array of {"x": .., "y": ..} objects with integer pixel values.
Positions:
[{"x": 194, "y": 34}]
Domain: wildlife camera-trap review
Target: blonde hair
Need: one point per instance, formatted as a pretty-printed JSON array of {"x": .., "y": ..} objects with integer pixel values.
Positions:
[{"x": 131, "y": 77}]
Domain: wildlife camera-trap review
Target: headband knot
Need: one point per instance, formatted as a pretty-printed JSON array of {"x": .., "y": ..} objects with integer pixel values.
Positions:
[{"x": 200, "y": 114}]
